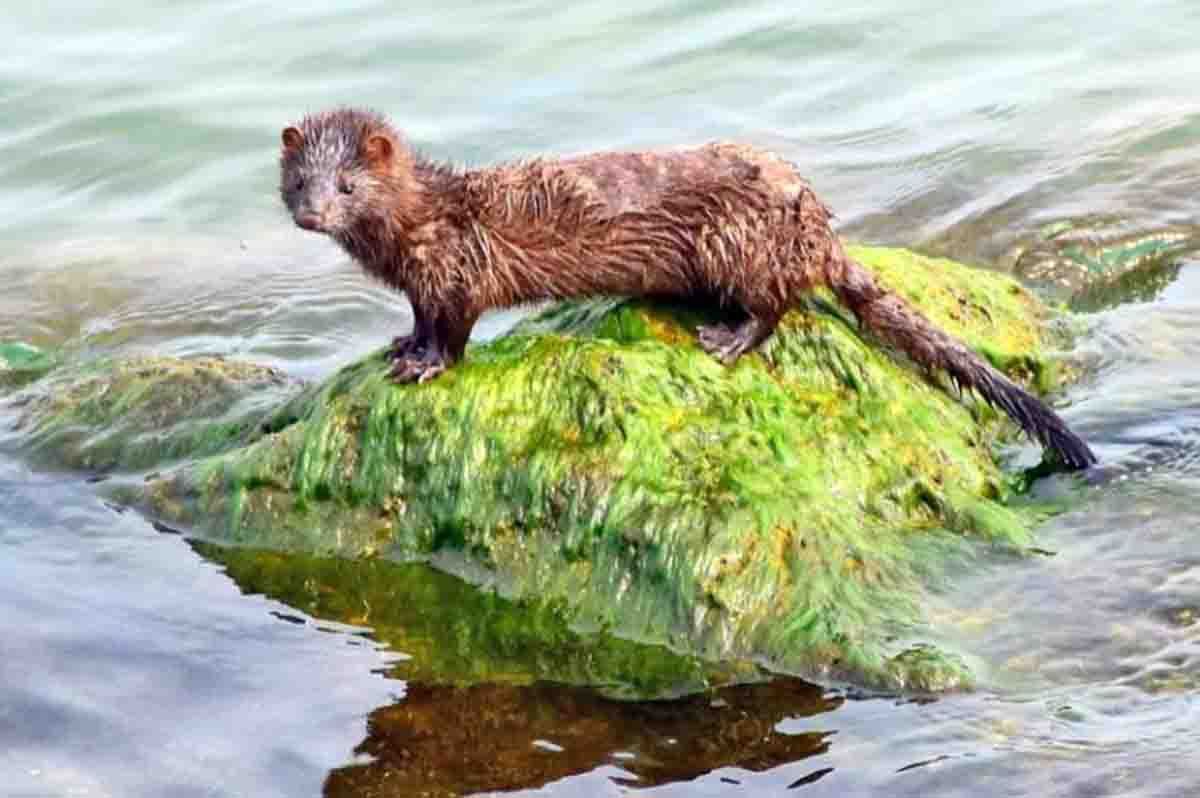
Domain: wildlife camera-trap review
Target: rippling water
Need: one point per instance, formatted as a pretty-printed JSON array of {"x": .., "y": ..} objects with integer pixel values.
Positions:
[{"x": 138, "y": 212}]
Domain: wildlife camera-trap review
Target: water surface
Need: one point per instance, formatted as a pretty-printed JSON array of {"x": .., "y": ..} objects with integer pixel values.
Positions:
[{"x": 138, "y": 212}]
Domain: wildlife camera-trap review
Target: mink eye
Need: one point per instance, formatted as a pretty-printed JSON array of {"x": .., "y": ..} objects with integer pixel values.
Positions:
[
  {"x": 345, "y": 187},
  {"x": 299, "y": 183}
]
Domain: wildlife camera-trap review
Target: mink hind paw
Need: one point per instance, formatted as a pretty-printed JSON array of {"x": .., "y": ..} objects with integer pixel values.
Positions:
[
  {"x": 723, "y": 342},
  {"x": 419, "y": 367}
]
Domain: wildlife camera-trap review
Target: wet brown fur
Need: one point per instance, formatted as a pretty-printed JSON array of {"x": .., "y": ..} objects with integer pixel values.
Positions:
[{"x": 723, "y": 223}]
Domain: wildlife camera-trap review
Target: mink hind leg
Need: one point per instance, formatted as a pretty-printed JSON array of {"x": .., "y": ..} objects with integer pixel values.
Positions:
[{"x": 728, "y": 342}]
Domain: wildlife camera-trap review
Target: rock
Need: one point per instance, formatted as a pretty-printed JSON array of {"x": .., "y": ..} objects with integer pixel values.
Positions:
[
  {"x": 1094, "y": 262},
  {"x": 21, "y": 364},
  {"x": 791, "y": 510},
  {"x": 143, "y": 412}
]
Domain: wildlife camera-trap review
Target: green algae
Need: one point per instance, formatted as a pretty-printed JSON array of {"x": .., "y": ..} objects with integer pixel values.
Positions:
[
  {"x": 791, "y": 510},
  {"x": 21, "y": 363},
  {"x": 1099, "y": 261}
]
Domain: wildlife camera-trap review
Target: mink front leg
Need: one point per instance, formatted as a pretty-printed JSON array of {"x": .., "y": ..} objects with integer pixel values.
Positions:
[
  {"x": 415, "y": 342},
  {"x": 445, "y": 346}
]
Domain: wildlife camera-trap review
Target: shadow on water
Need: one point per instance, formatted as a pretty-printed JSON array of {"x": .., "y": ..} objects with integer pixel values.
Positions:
[{"x": 493, "y": 696}]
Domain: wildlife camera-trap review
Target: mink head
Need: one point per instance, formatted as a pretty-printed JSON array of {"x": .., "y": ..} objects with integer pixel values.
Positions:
[{"x": 339, "y": 168}]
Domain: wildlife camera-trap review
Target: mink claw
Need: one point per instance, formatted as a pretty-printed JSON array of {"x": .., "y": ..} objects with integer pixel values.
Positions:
[
  {"x": 403, "y": 372},
  {"x": 419, "y": 369},
  {"x": 431, "y": 372}
]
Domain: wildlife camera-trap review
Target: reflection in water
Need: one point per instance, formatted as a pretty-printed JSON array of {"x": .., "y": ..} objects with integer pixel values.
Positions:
[
  {"x": 491, "y": 701},
  {"x": 446, "y": 740},
  {"x": 453, "y": 633}
]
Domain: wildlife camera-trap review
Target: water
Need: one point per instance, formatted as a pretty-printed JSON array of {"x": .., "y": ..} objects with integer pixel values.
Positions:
[{"x": 138, "y": 213}]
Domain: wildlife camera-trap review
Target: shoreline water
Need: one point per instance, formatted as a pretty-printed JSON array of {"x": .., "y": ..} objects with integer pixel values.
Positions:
[{"x": 139, "y": 212}]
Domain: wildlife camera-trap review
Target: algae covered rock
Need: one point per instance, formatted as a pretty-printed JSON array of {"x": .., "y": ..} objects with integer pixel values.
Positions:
[
  {"x": 21, "y": 363},
  {"x": 1098, "y": 261},
  {"x": 144, "y": 412},
  {"x": 790, "y": 510}
]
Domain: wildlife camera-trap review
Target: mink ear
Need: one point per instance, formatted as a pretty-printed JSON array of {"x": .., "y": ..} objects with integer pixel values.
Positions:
[
  {"x": 293, "y": 139},
  {"x": 378, "y": 152}
]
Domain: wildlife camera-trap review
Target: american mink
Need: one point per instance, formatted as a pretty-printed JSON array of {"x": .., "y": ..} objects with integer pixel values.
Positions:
[{"x": 723, "y": 223}]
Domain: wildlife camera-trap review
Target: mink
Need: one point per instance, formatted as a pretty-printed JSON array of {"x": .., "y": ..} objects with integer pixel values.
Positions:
[{"x": 725, "y": 223}]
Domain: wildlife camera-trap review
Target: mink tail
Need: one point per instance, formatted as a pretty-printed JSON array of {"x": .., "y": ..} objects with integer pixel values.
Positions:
[{"x": 889, "y": 318}]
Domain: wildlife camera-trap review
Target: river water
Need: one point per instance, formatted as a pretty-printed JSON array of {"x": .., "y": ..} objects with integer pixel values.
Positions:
[{"x": 138, "y": 213}]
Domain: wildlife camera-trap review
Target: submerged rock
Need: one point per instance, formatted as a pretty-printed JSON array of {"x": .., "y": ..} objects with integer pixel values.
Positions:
[
  {"x": 21, "y": 364},
  {"x": 144, "y": 412},
  {"x": 1095, "y": 262},
  {"x": 790, "y": 510}
]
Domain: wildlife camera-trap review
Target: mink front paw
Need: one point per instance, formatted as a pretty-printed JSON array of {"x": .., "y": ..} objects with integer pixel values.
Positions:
[{"x": 419, "y": 368}]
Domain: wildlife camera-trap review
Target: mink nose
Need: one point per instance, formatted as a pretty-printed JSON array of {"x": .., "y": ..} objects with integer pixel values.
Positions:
[{"x": 309, "y": 221}]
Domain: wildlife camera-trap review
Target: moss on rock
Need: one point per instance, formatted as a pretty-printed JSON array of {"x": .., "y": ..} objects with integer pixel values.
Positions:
[
  {"x": 1098, "y": 261},
  {"x": 21, "y": 363},
  {"x": 790, "y": 510}
]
